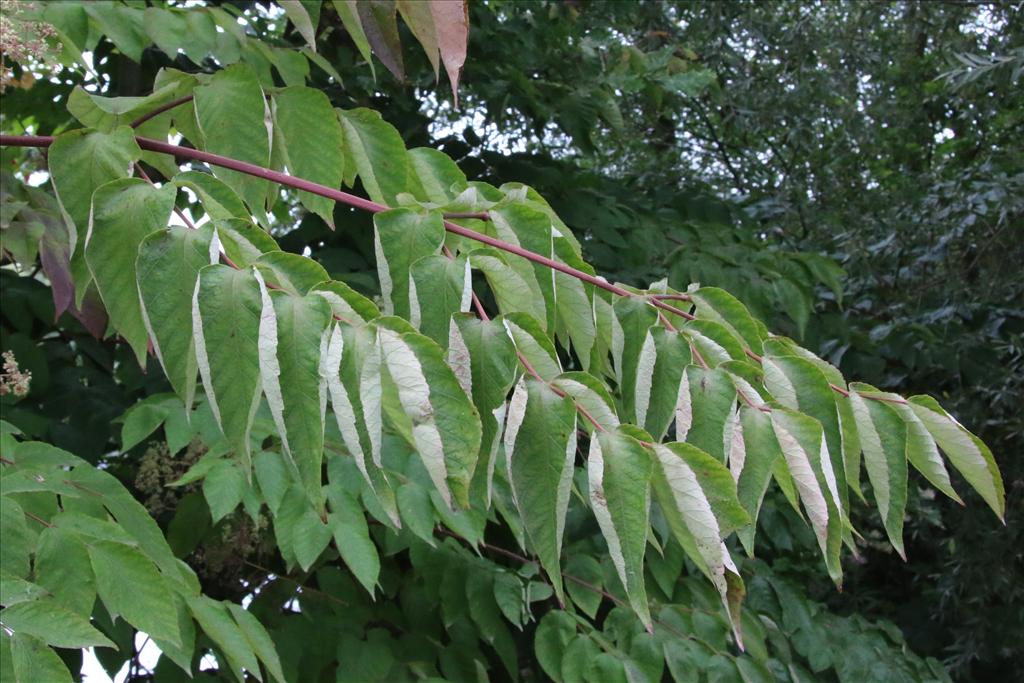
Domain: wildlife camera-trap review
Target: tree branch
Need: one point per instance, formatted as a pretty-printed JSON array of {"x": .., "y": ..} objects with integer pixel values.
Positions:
[{"x": 371, "y": 206}]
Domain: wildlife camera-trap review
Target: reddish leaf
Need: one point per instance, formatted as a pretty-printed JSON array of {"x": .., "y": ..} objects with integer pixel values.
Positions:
[
  {"x": 91, "y": 313},
  {"x": 451, "y": 25},
  {"x": 381, "y": 27}
]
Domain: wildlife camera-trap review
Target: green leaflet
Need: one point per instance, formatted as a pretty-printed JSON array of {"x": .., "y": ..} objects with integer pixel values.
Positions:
[
  {"x": 194, "y": 33},
  {"x": 226, "y": 309},
  {"x": 799, "y": 384},
  {"x": 704, "y": 410},
  {"x": 350, "y": 19},
  {"x": 218, "y": 199},
  {"x": 540, "y": 449},
  {"x": 619, "y": 474},
  {"x": 230, "y": 113},
  {"x": 484, "y": 361},
  {"x": 438, "y": 288},
  {"x": 346, "y": 303},
  {"x": 224, "y": 486},
  {"x": 698, "y": 497},
  {"x": 352, "y": 537},
  {"x": 18, "y": 541},
  {"x": 439, "y": 179},
  {"x": 107, "y": 156},
  {"x": 445, "y": 424},
  {"x": 922, "y": 452},
  {"x": 754, "y": 453},
  {"x": 314, "y": 148},
  {"x": 145, "y": 606},
  {"x": 530, "y": 197},
  {"x": 31, "y": 660},
  {"x": 512, "y": 292},
  {"x": 217, "y": 623},
  {"x": 291, "y": 64},
  {"x": 124, "y": 212},
  {"x": 123, "y": 25},
  {"x": 293, "y": 336},
  {"x": 378, "y": 153},
  {"x": 63, "y": 568},
  {"x": 305, "y": 23},
  {"x": 672, "y": 355},
  {"x": 13, "y": 591},
  {"x": 644, "y": 383},
  {"x": 290, "y": 272},
  {"x": 402, "y": 237},
  {"x": 181, "y": 655},
  {"x": 779, "y": 346},
  {"x": 167, "y": 268},
  {"x": 574, "y": 316},
  {"x": 300, "y": 532},
  {"x": 633, "y": 320},
  {"x": 533, "y": 344},
  {"x": 258, "y": 639},
  {"x": 243, "y": 242},
  {"x": 273, "y": 478},
  {"x": 554, "y": 632},
  {"x": 969, "y": 455},
  {"x": 803, "y": 444},
  {"x": 352, "y": 368},
  {"x": 523, "y": 226},
  {"x": 713, "y": 341},
  {"x": 721, "y": 307},
  {"x": 883, "y": 437},
  {"x": 53, "y": 623},
  {"x": 590, "y": 394}
]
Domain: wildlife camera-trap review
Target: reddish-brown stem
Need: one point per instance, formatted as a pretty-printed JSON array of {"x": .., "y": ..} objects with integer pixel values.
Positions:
[
  {"x": 698, "y": 357},
  {"x": 839, "y": 390},
  {"x": 480, "y": 216},
  {"x": 763, "y": 408},
  {"x": 345, "y": 198},
  {"x": 37, "y": 519},
  {"x": 672, "y": 297},
  {"x": 363, "y": 204},
  {"x": 160, "y": 110}
]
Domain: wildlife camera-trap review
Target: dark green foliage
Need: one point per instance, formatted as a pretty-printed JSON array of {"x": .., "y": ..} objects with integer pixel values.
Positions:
[{"x": 811, "y": 161}]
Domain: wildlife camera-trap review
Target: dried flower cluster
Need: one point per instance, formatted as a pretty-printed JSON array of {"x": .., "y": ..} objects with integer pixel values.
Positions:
[
  {"x": 13, "y": 380},
  {"x": 158, "y": 469},
  {"x": 21, "y": 41},
  {"x": 224, "y": 560}
]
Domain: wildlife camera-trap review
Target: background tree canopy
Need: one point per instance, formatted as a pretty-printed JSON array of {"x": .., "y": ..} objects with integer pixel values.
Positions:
[{"x": 790, "y": 194}]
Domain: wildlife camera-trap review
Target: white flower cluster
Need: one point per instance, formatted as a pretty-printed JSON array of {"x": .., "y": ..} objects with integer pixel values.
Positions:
[
  {"x": 21, "y": 41},
  {"x": 13, "y": 380}
]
